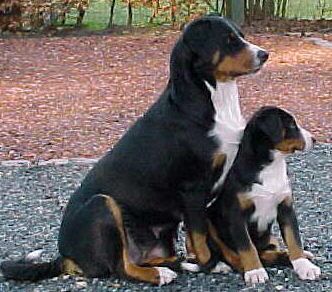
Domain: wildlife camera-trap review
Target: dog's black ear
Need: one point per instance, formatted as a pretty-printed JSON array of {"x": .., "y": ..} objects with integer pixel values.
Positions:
[
  {"x": 271, "y": 126},
  {"x": 196, "y": 37}
]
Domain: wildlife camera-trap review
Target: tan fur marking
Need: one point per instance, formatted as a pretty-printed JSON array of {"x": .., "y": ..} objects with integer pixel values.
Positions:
[
  {"x": 250, "y": 259},
  {"x": 230, "y": 256},
  {"x": 273, "y": 243},
  {"x": 189, "y": 247},
  {"x": 288, "y": 201},
  {"x": 274, "y": 257},
  {"x": 244, "y": 201},
  {"x": 295, "y": 251},
  {"x": 290, "y": 145},
  {"x": 159, "y": 260},
  {"x": 230, "y": 66},
  {"x": 150, "y": 275},
  {"x": 218, "y": 160},
  {"x": 202, "y": 251},
  {"x": 69, "y": 267}
]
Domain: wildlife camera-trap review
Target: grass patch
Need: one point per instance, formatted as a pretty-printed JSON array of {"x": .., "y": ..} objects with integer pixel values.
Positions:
[{"x": 97, "y": 15}]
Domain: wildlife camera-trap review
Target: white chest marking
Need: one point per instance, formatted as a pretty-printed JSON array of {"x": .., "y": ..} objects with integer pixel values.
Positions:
[
  {"x": 229, "y": 122},
  {"x": 274, "y": 188}
]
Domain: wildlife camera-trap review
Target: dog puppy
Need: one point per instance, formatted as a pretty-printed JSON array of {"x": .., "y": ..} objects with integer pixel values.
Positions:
[{"x": 255, "y": 193}]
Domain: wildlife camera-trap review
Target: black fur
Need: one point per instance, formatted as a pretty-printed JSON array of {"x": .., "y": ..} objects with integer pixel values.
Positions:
[
  {"x": 160, "y": 171},
  {"x": 268, "y": 127}
]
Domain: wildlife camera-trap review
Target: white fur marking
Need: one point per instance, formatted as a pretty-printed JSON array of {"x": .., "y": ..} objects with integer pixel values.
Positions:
[
  {"x": 254, "y": 51},
  {"x": 308, "y": 254},
  {"x": 307, "y": 139},
  {"x": 33, "y": 256},
  {"x": 229, "y": 122},
  {"x": 256, "y": 276},
  {"x": 166, "y": 275},
  {"x": 305, "y": 269},
  {"x": 274, "y": 187},
  {"x": 190, "y": 267},
  {"x": 221, "y": 268}
]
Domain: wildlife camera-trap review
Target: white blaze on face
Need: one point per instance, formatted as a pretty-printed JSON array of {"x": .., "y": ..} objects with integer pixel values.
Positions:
[
  {"x": 254, "y": 51},
  {"x": 307, "y": 139}
]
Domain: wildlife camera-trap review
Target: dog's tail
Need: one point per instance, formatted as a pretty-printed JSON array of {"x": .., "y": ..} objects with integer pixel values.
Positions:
[{"x": 27, "y": 270}]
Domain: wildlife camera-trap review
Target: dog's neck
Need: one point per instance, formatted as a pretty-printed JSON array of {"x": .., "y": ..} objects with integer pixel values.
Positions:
[
  {"x": 225, "y": 98},
  {"x": 229, "y": 122}
]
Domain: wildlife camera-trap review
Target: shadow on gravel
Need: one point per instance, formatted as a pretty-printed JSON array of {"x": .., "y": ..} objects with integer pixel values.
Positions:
[{"x": 32, "y": 201}]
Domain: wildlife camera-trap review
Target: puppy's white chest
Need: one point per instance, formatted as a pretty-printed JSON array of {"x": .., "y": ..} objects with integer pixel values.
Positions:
[
  {"x": 274, "y": 189},
  {"x": 229, "y": 122}
]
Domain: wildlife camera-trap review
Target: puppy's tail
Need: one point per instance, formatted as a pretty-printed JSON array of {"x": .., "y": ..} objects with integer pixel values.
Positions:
[{"x": 27, "y": 270}]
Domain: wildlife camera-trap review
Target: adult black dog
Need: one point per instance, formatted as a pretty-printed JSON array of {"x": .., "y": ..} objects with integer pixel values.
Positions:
[{"x": 124, "y": 217}]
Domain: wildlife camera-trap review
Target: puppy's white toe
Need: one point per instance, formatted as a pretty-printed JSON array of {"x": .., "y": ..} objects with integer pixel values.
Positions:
[
  {"x": 305, "y": 269},
  {"x": 253, "y": 277},
  {"x": 166, "y": 275},
  {"x": 33, "y": 256},
  {"x": 190, "y": 267},
  {"x": 221, "y": 268},
  {"x": 308, "y": 254}
]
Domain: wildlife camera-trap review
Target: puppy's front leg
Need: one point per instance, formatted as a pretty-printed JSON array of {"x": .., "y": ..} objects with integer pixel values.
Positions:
[
  {"x": 254, "y": 271},
  {"x": 291, "y": 235}
]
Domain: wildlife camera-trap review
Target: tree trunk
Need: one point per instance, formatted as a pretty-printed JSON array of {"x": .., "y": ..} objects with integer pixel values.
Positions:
[
  {"x": 258, "y": 10},
  {"x": 130, "y": 14},
  {"x": 278, "y": 8},
  {"x": 250, "y": 13},
  {"x": 155, "y": 10},
  {"x": 284, "y": 8},
  {"x": 268, "y": 8},
  {"x": 172, "y": 12},
  {"x": 110, "y": 21}
]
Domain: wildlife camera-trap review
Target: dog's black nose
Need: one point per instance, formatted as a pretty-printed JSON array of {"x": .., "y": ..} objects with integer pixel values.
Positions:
[
  {"x": 313, "y": 140},
  {"x": 262, "y": 56}
]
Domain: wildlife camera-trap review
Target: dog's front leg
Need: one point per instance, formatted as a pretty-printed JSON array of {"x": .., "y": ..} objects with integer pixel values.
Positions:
[
  {"x": 196, "y": 224},
  {"x": 291, "y": 235},
  {"x": 254, "y": 271}
]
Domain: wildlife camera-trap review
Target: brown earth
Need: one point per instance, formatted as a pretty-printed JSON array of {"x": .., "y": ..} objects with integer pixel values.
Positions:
[{"x": 76, "y": 96}]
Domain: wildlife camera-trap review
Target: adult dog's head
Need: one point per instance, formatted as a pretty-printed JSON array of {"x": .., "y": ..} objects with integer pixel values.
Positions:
[{"x": 216, "y": 49}]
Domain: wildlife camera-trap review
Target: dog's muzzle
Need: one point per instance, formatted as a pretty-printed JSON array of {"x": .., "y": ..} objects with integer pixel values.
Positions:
[{"x": 309, "y": 140}]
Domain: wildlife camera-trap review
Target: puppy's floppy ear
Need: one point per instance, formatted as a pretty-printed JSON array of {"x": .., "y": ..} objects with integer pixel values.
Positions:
[{"x": 272, "y": 127}]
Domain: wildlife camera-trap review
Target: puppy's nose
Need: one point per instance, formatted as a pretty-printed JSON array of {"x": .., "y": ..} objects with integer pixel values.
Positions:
[
  {"x": 262, "y": 56},
  {"x": 313, "y": 140}
]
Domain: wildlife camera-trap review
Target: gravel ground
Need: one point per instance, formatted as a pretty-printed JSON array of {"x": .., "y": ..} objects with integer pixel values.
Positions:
[{"x": 32, "y": 201}]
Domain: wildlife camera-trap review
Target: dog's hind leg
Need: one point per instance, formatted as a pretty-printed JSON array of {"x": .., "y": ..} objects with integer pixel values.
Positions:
[{"x": 154, "y": 275}]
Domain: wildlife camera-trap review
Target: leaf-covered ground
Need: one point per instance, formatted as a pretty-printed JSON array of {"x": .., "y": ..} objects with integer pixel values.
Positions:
[{"x": 75, "y": 96}]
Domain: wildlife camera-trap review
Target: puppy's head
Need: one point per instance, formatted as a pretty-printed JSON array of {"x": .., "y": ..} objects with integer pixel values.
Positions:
[
  {"x": 281, "y": 130},
  {"x": 219, "y": 49}
]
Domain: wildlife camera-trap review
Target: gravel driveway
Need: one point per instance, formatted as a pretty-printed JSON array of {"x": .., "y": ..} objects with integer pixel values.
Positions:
[{"x": 32, "y": 201}]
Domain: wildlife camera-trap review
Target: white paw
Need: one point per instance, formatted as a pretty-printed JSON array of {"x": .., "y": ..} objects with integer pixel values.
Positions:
[
  {"x": 33, "y": 256},
  {"x": 166, "y": 275},
  {"x": 308, "y": 254},
  {"x": 190, "y": 267},
  {"x": 305, "y": 269},
  {"x": 221, "y": 268},
  {"x": 256, "y": 276}
]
